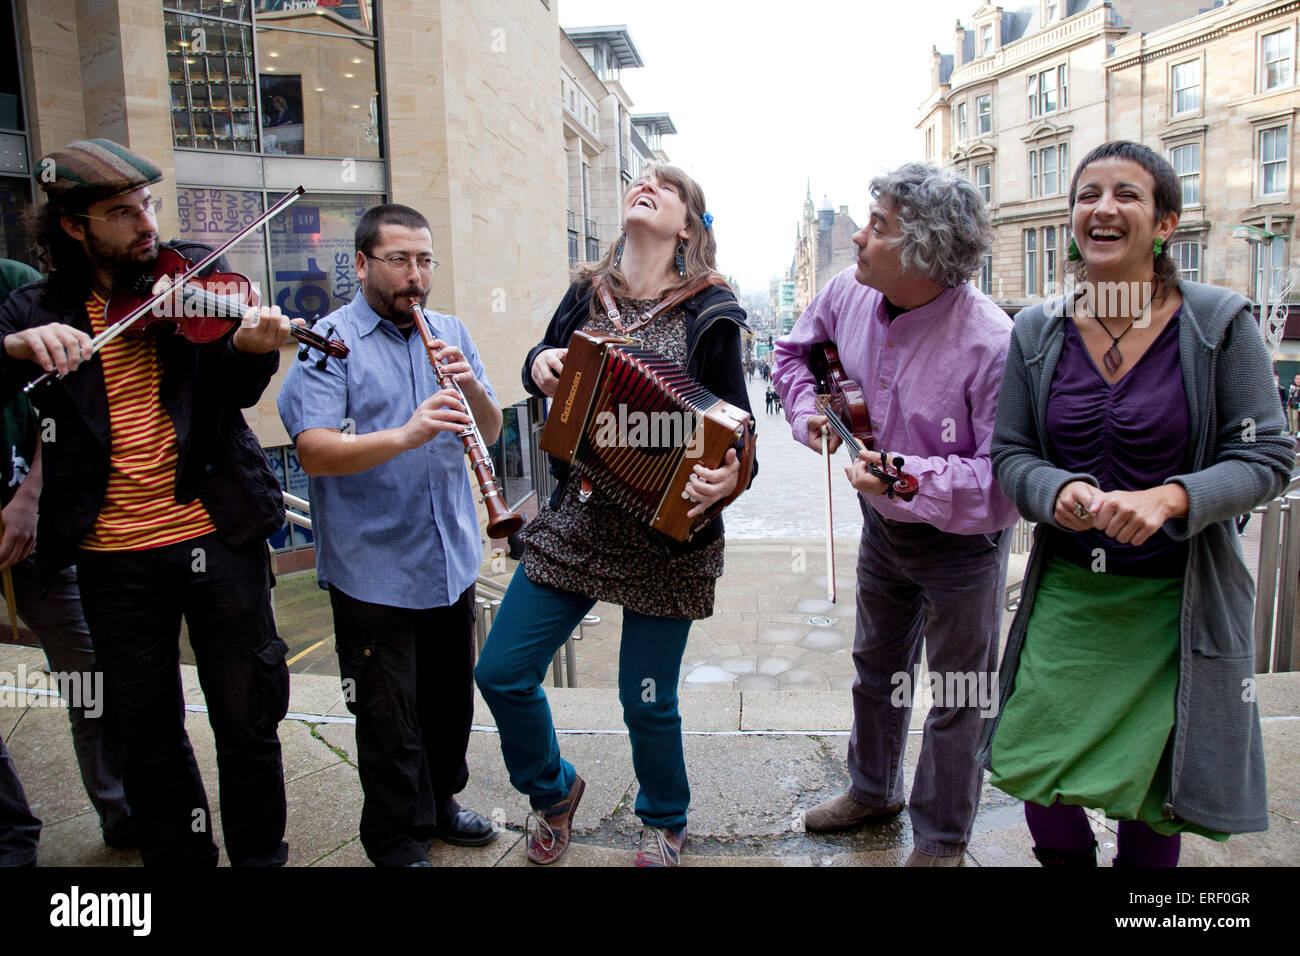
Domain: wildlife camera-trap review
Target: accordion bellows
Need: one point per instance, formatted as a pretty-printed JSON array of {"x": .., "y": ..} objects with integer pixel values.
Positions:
[{"x": 634, "y": 424}]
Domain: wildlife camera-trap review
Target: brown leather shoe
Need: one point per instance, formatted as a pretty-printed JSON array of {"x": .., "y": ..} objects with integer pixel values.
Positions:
[
  {"x": 845, "y": 813},
  {"x": 925, "y": 859},
  {"x": 548, "y": 830}
]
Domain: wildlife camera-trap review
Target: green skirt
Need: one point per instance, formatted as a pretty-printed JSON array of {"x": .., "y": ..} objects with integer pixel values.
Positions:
[{"x": 1090, "y": 717}]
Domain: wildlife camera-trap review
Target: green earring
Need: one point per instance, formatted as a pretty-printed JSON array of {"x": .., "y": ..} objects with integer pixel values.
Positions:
[
  {"x": 1072, "y": 252},
  {"x": 1159, "y": 246}
]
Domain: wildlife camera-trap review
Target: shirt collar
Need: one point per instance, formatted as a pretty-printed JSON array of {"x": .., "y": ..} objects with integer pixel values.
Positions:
[{"x": 939, "y": 305}]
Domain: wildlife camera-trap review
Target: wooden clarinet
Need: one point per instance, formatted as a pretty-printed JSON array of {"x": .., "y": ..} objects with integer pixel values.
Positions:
[{"x": 502, "y": 522}]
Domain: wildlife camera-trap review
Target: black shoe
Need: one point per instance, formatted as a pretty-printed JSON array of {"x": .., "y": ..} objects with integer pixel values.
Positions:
[
  {"x": 461, "y": 827},
  {"x": 122, "y": 835}
]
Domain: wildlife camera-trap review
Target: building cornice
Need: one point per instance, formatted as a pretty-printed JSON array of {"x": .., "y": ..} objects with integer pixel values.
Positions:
[
  {"x": 1183, "y": 132},
  {"x": 1027, "y": 215},
  {"x": 1058, "y": 38},
  {"x": 1161, "y": 48},
  {"x": 1046, "y": 130}
]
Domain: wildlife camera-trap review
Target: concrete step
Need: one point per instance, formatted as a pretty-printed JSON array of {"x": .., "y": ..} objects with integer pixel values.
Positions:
[{"x": 755, "y": 761}]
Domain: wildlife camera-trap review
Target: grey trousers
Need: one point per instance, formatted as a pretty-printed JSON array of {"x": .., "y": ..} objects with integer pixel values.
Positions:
[
  {"x": 20, "y": 831},
  {"x": 57, "y": 620},
  {"x": 918, "y": 583}
]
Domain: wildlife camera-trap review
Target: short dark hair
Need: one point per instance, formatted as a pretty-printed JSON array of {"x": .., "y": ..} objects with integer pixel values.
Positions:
[
  {"x": 390, "y": 214},
  {"x": 1168, "y": 197}
]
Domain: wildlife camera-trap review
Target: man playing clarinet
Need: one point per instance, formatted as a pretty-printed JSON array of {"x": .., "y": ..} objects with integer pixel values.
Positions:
[
  {"x": 928, "y": 349},
  {"x": 397, "y": 538}
]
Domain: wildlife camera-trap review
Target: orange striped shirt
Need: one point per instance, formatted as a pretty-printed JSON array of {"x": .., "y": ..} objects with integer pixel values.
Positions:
[{"x": 139, "y": 509}]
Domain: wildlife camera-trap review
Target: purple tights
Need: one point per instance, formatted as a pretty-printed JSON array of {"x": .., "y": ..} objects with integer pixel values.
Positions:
[{"x": 1065, "y": 826}]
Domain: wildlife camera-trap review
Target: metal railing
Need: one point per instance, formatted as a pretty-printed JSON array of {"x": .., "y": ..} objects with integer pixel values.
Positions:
[{"x": 564, "y": 666}]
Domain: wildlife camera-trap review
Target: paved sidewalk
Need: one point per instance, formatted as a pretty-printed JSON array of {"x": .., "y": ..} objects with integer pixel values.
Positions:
[{"x": 755, "y": 758}]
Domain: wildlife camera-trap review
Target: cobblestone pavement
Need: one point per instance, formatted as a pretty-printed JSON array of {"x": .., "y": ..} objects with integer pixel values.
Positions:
[{"x": 787, "y": 499}]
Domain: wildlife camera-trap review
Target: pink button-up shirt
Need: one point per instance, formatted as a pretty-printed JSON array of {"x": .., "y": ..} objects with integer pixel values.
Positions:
[{"x": 931, "y": 378}]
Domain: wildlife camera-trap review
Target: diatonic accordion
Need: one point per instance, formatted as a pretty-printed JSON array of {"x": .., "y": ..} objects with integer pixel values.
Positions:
[{"x": 634, "y": 424}]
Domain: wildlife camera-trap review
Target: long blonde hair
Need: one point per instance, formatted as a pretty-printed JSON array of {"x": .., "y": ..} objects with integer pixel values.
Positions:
[{"x": 701, "y": 247}]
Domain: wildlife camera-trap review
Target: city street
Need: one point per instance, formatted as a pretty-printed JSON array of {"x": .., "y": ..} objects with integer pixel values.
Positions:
[{"x": 787, "y": 499}]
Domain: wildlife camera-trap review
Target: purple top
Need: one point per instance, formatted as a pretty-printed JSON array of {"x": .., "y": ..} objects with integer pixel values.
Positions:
[
  {"x": 931, "y": 379},
  {"x": 1129, "y": 436}
]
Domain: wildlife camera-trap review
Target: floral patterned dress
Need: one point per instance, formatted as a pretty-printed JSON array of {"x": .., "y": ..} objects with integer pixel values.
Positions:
[{"x": 598, "y": 549}]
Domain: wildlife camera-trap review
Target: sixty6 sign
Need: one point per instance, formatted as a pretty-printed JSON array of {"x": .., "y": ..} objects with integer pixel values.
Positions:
[{"x": 313, "y": 252}]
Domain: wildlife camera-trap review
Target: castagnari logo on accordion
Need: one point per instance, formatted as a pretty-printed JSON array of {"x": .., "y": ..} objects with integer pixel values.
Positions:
[
  {"x": 568, "y": 402},
  {"x": 649, "y": 430}
]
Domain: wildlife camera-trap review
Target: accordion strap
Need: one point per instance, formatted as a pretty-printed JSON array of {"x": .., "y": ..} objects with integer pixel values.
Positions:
[{"x": 681, "y": 295}]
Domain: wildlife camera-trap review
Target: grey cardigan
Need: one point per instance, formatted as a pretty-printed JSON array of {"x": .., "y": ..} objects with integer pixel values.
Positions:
[{"x": 1238, "y": 458}]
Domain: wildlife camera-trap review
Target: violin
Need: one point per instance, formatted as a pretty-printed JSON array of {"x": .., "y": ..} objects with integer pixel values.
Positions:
[
  {"x": 844, "y": 403},
  {"x": 201, "y": 309}
]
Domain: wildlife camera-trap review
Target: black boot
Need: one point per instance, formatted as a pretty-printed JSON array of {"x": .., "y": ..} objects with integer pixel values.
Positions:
[{"x": 1067, "y": 857}]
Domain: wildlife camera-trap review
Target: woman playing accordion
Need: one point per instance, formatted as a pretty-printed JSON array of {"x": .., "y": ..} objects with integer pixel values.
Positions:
[{"x": 585, "y": 548}]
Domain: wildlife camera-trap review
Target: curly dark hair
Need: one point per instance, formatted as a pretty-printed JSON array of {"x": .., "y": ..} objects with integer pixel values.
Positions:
[{"x": 60, "y": 256}]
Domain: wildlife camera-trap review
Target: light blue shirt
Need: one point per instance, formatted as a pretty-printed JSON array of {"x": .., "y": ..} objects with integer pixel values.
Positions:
[{"x": 404, "y": 533}]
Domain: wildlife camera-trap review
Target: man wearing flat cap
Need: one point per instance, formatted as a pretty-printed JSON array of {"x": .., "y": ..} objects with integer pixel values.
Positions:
[{"x": 157, "y": 490}]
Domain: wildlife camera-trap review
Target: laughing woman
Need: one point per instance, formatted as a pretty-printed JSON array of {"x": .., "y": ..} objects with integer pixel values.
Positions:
[
  {"x": 577, "y": 553},
  {"x": 1137, "y": 419}
]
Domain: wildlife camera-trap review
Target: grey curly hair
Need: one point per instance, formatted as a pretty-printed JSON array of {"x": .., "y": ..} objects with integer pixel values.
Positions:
[{"x": 944, "y": 222}]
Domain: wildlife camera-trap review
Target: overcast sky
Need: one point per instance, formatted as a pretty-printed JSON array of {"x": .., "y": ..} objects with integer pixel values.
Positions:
[{"x": 765, "y": 95}]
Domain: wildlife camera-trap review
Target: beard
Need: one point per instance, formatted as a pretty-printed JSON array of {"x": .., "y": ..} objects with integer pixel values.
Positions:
[
  {"x": 386, "y": 305},
  {"x": 125, "y": 264}
]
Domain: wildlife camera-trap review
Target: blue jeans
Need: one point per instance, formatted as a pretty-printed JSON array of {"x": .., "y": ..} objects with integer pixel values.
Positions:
[
  {"x": 916, "y": 582},
  {"x": 534, "y": 620}
]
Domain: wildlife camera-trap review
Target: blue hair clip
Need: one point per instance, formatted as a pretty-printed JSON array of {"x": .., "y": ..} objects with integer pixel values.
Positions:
[{"x": 708, "y": 220}]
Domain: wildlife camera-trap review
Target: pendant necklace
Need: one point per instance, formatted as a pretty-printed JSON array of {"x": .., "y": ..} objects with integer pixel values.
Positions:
[{"x": 1113, "y": 358}]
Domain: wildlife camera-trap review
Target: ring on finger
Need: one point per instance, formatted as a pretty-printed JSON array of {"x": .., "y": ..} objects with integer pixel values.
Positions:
[{"x": 1080, "y": 511}]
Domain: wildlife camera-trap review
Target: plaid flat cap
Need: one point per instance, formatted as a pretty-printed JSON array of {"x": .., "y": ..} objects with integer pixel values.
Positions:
[{"x": 93, "y": 169}]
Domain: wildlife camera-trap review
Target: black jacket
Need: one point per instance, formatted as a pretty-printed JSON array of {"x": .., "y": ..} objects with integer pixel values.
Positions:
[
  {"x": 714, "y": 320},
  {"x": 203, "y": 389}
]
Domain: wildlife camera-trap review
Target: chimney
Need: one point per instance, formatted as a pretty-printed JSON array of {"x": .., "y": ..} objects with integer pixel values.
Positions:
[{"x": 958, "y": 46}]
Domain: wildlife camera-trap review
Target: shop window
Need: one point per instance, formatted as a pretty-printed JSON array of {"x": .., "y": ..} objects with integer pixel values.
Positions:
[{"x": 313, "y": 253}]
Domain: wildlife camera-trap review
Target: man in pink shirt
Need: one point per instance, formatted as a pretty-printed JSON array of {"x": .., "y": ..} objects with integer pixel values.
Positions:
[{"x": 928, "y": 350}]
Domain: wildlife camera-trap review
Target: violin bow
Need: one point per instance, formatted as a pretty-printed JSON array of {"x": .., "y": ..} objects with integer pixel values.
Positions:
[
  {"x": 830, "y": 525},
  {"x": 124, "y": 323}
]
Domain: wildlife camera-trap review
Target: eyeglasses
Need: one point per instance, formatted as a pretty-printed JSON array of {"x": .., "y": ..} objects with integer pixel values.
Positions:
[
  {"x": 126, "y": 218},
  {"x": 400, "y": 263}
]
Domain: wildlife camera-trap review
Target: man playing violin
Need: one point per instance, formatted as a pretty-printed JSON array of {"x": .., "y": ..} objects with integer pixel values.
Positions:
[
  {"x": 397, "y": 538},
  {"x": 156, "y": 488},
  {"x": 927, "y": 349}
]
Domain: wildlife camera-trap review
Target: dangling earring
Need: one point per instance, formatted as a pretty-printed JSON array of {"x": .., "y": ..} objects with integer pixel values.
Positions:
[
  {"x": 1159, "y": 246},
  {"x": 1072, "y": 253},
  {"x": 618, "y": 253},
  {"x": 680, "y": 261}
]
